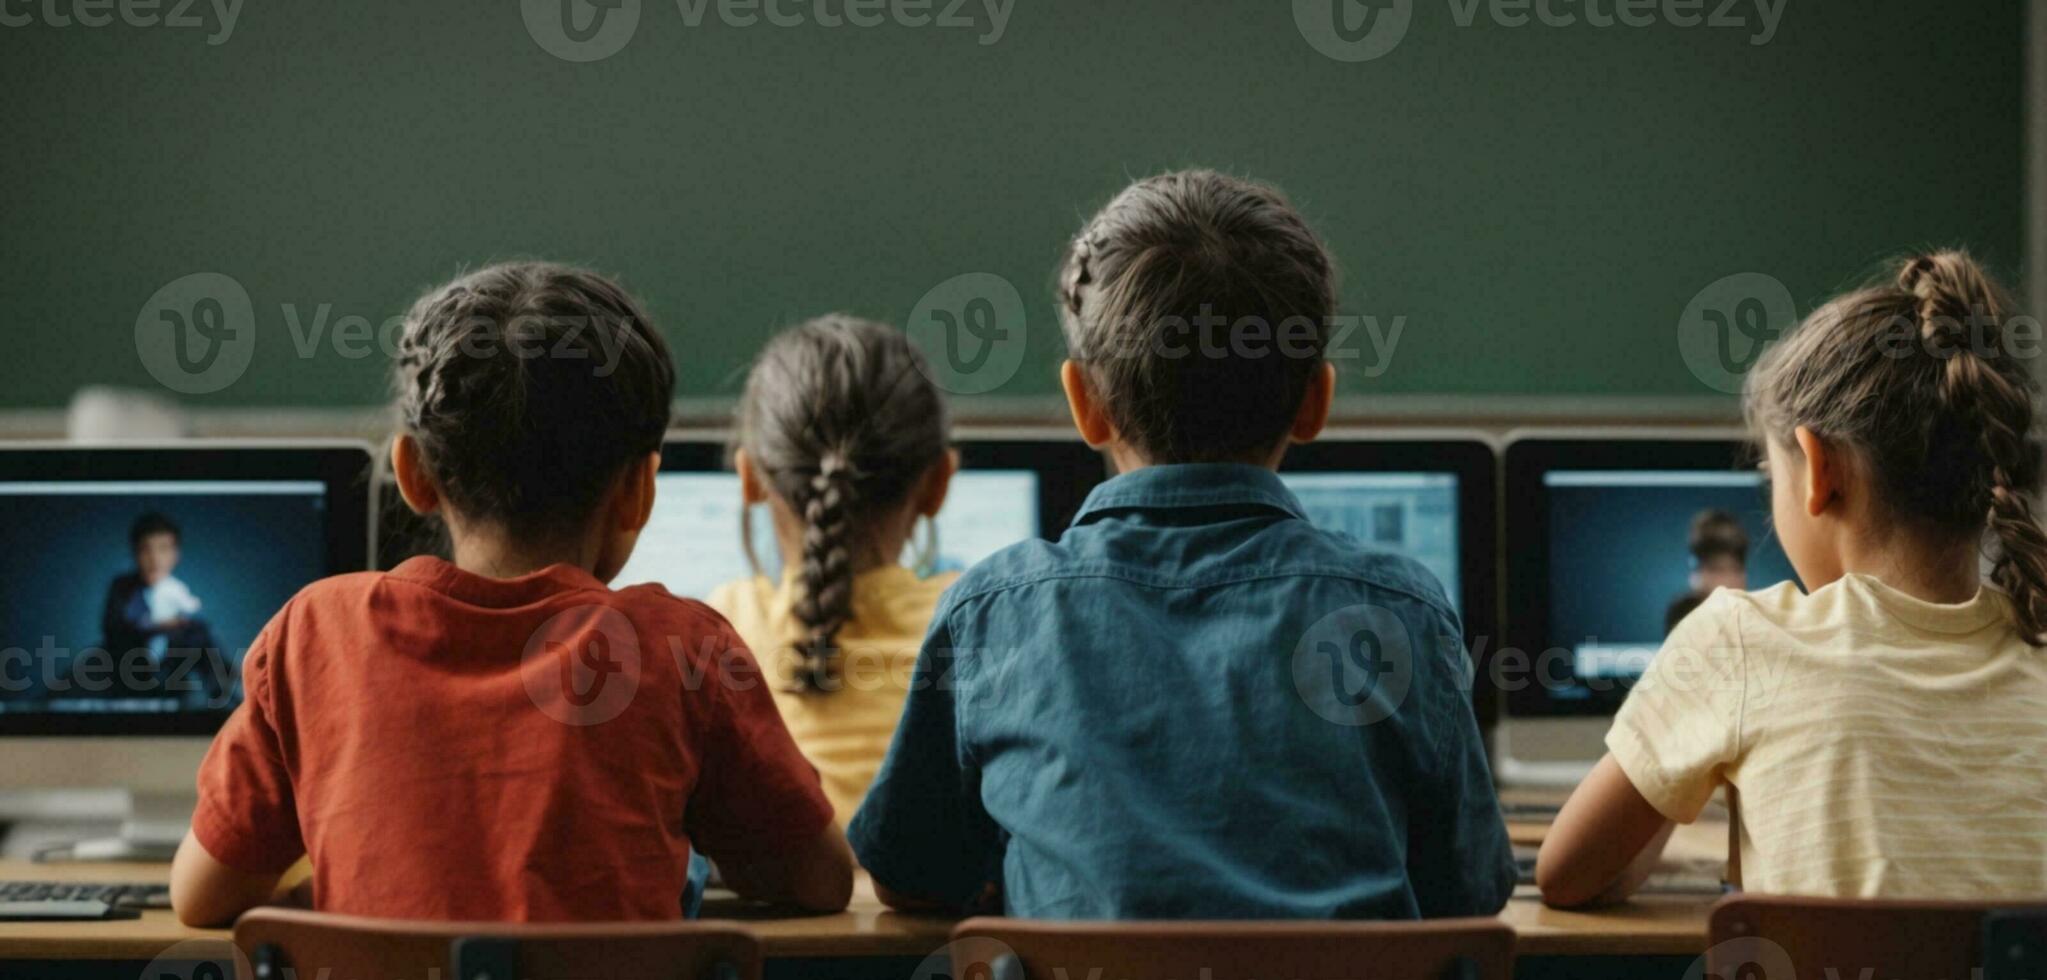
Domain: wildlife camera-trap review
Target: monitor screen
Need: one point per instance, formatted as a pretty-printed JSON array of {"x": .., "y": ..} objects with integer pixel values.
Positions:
[
  {"x": 1411, "y": 514},
  {"x": 126, "y": 597},
  {"x": 1632, "y": 551},
  {"x": 692, "y": 544}
]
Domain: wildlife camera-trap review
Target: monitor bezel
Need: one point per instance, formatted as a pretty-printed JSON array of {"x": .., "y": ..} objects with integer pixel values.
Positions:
[
  {"x": 344, "y": 468},
  {"x": 1525, "y": 461},
  {"x": 1067, "y": 469},
  {"x": 1474, "y": 460}
]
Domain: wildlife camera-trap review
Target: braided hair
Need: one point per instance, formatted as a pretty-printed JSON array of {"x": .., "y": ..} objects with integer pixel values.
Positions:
[
  {"x": 842, "y": 420},
  {"x": 1918, "y": 374},
  {"x": 529, "y": 387}
]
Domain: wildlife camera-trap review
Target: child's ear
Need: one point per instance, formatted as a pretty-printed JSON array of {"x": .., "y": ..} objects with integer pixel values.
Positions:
[
  {"x": 409, "y": 469},
  {"x": 1316, "y": 405},
  {"x": 1822, "y": 471},
  {"x": 937, "y": 483},
  {"x": 635, "y": 506},
  {"x": 753, "y": 489},
  {"x": 1088, "y": 416}
]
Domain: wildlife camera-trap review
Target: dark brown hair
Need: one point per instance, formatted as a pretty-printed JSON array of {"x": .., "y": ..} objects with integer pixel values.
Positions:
[
  {"x": 150, "y": 525},
  {"x": 530, "y": 387},
  {"x": 1917, "y": 375},
  {"x": 841, "y": 419},
  {"x": 1717, "y": 533},
  {"x": 1168, "y": 254}
]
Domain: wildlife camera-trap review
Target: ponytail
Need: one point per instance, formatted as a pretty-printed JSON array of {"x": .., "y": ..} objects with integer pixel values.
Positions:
[
  {"x": 1943, "y": 419},
  {"x": 2020, "y": 567},
  {"x": 827, "y": 573},
  {"x": 1956, "y": 304},
  {"x": 841, "y": 420}
]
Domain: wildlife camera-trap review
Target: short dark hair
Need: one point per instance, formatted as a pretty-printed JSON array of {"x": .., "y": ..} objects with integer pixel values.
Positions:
[
  {"x": 150, "y": 525},
  {"x": 1718, "y": 534},
  {"x": 530, "y": 386},
  {"x": 1197, "y": 251}
]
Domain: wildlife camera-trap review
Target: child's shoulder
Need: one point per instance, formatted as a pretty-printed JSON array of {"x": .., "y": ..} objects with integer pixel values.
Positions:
[
  {"x": 334, "y": 598},
  {"x": 1021, "y": 562},
  {"x": 748, "y": 597},
  {"x": 1739, "y": 617},
  {"x": 653, "y": 604},
  {"x": 1307, "y": 551},
  {"x": 1782, "y": 603},
  {"x": 1311, "y": 550},
  {"x": 1780, "y": 599},
  {"x": 338, "y": 589}
]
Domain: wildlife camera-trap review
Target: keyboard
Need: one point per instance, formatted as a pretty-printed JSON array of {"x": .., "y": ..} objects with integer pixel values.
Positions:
[{"x": 116, "y": 894}]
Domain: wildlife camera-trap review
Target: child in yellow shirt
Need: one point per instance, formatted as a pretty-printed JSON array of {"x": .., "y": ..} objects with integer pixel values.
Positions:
[
  {"x": 845, "y": 439},
  {"x": 1882, "y": 734}
]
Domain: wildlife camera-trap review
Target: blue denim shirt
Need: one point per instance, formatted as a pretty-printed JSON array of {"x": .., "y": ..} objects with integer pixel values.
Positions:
[{"x": 1194, "y": 705}]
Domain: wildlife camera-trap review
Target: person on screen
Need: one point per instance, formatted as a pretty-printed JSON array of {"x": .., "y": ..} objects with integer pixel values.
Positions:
[
  {"x": 151, "y": 611},
  {"x": 501, "y": 736},
  {"x": 1195, "y": 704},
  {"x": 1878, "y": 736},
  {"x": 843, "y": 436},
  {"x": 1719, "y": 549}
]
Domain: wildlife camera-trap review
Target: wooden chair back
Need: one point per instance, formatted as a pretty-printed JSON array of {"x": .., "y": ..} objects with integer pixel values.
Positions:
[
  {"x": 1444, "y": 949},
  {"x": 335, "y": 947},
  {"x": 1778, "y": 937}
]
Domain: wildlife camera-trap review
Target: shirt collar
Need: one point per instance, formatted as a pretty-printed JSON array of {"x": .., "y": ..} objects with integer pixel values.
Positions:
[
  {"x": 1191, "y": 485},
  {"x": 494, "y": 593},
  {"x": 1940, "y": 617}
]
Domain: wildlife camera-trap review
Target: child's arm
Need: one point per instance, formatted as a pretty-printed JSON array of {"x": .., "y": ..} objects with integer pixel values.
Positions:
[
  {"x": 1675, "y": 739},
  {"x": 816, "y": 875},
  {"x": 245, "y": 832},
  {"x": 1603, "y": 844},
  {"x": 1459, "y": 858},
  {"x": 207, "y": 893},
  {"x": 922, "y": 832}
]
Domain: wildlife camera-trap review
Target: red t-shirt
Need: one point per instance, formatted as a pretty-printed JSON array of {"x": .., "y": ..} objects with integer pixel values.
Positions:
[{"x": 452, "y": 747}]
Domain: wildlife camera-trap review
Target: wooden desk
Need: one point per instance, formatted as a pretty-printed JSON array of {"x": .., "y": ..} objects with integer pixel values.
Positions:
[
  {"x": 139, "y": 940},
  {"x": 1650, "y": 926}
]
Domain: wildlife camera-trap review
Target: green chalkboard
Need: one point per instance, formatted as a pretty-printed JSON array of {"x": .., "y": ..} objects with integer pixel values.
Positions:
[{"x": 1534, "y": 206}]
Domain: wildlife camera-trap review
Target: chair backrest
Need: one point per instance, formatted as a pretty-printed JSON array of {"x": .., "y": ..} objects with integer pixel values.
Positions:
[
  {"x": 1778, "y": 937},
  {"x": 1444, "y": 949},
  {"x": 338, "y": 947}
]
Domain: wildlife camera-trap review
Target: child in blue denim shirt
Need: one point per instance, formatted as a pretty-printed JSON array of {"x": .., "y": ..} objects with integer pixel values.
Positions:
[{"x": 1195, "y": 704}]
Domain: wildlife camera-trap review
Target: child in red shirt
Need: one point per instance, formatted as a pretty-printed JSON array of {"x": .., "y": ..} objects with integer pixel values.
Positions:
[{"x": 503, "y": 737}]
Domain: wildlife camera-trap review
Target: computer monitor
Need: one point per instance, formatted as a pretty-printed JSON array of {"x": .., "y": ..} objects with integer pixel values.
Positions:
[
  {"x": 1429, "y": 497},
  {"x": 1008, "y": 490},
  {"x": 1610, "y": 541},
  {"x": 133, "y": 581}
]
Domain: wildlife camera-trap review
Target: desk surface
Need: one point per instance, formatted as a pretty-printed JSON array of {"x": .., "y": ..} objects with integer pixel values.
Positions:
[{"x": 1651, "y": 925}]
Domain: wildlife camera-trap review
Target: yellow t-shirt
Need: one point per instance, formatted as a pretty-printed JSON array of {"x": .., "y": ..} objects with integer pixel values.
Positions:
[
  {"x": 1880, "y": 745},
  {"x": 845, "y": 732}
]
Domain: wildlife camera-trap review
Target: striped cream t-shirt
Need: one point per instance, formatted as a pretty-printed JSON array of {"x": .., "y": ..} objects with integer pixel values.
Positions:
[{"x": 1879, "y": 744}]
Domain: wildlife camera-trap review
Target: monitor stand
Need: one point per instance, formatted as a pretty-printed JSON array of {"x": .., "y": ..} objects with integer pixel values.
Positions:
[{"x": 155, "y": 826}]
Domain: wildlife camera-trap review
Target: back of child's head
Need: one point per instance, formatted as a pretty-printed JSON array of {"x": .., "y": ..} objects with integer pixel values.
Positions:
[
  {"x": 1198, "y": 306},
  {"x": 530, "y": 387},
  {"x": 1718, "y": 534},
  {"x": 1918, "y": 377},
  {"x": 841, "y": 420}
]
